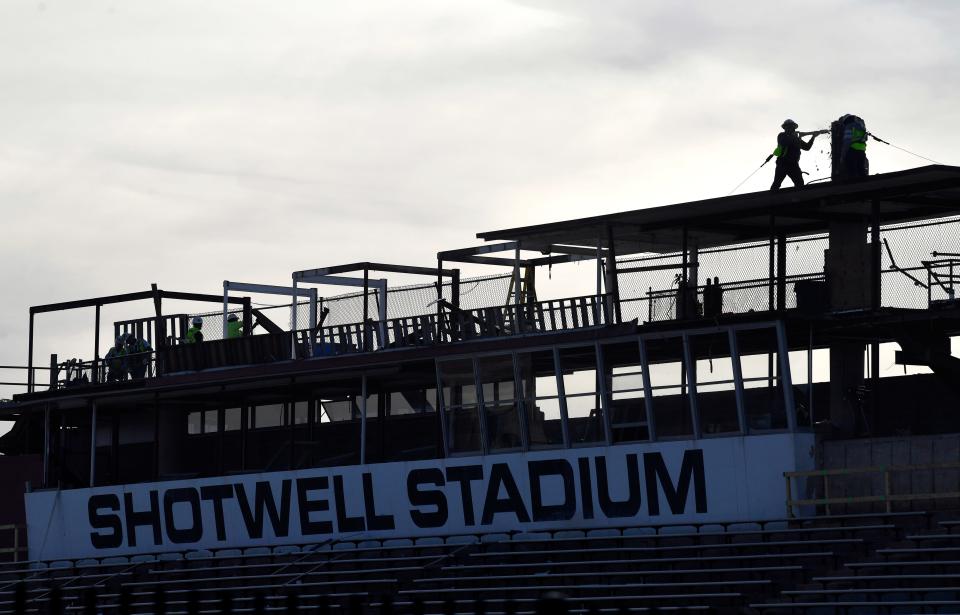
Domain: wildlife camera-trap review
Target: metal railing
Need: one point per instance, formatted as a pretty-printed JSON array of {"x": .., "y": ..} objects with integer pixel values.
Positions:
[
  {"x": 75, "y": 372},
  {"x": 887, "y": 498}
]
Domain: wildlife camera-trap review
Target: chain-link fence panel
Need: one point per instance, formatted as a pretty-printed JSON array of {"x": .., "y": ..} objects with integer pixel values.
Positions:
[{"x": 920, "y": 262}]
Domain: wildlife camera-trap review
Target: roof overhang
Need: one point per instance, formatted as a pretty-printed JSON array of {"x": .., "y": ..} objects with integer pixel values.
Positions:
[{"x": 916, "y": 194}]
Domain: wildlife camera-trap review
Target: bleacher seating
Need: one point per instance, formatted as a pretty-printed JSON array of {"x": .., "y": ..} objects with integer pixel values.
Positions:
[{"x": 884, "y": 562}]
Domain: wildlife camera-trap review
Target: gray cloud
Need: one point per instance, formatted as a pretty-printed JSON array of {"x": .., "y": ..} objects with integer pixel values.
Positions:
[{"x": 187, "y": 143}]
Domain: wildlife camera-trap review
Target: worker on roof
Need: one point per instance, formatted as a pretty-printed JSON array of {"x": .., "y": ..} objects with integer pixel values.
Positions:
[
  {"x": 234, "y": 326},
  {"x": 115, "y": 362},
  {"x": 789, "y": 145},
  {"x": 853, "y": 147},
  {"x": 194, "y": 333},
  {"x": 139, "y": 354}
]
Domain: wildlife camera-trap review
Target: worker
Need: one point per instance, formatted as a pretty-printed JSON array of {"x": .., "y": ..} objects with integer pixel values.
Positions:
[
  {"x": 853, "y": 147},
  {"x": 138, "y": 353},
  {"x": 788, "y": 149},
  {"x": 115, "y": 362},
  {"x": 194, "y": 333},
  {"x": 234, "y": 326}
]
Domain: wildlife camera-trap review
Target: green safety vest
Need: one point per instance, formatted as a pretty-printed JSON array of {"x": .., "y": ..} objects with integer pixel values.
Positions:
[
  {"x": 859, "y": 141},
  {"x": 234, "y": 328},
  {"x": 778, "y": 152},
  {"x": 192, "y": 335}
]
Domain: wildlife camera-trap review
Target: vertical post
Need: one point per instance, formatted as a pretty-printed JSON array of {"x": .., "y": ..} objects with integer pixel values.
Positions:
[
  {"x": 517, "y": 324},
  {"x": 521, "y": 403},
  {"x": 244, "y": 423},
  {"x": 16, "y": 543},
  {"x": 293, "y": 319},
  {"x": 226, "y": 305},
  {"x": 562, "y": 395},
  {"x": 875, "y": 258},
  {"x": 93, "y": 443},
  {"x": 599, "y": 296},
  {"x": 363, "y": 419},
  {"x": 683, "y": 285},
  {"x": 156, "y": 437},
  {"x": 160, "y": 325},
  {"x": 613, "y": 286},
  {"x": 738, "y": 381},
  {"x": 782, "y": 272},
  {"x": 692, "y": 385},
  {"x": 96, "y": 333},
  {"x": 54, "y": 372},
  {"x": 810, "y": 375},
  {"x": 30, "y": 356},
  {"x": 441, "y": 410},
  {"x": 647, "y": 391},
  {"x": 874, "y": 383},
  {"x": 383, "y": 312},
  {"x": 115, "y": 445},
  {"x": 771, "y": 271},
  {"x": 455, "y": 288},
  {"x": 46, "y": 446},
  {"x": 455, "y": 300},
  {"x": 601, "y": 385},
  {"x": 247, "y": 316},
  {"x": 785, "y": 380},
  {"x": 366, "y": 307},
  {"x": 313, "y": 312},
  {"x": 481, "y": 410}
]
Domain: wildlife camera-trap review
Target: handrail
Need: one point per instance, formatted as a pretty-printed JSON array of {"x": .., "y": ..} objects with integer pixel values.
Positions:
[{"x": 887, "y": 496}]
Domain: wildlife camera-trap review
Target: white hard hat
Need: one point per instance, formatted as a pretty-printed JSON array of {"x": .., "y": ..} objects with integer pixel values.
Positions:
[{"x": 197, "y": 321}]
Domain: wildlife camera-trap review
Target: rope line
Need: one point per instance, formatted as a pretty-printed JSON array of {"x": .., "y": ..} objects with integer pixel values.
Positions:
[{"x": 905, "y": 150}]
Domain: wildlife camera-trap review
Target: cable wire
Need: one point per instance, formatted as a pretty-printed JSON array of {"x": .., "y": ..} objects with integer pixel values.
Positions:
[{"x": 876, "y": 138}]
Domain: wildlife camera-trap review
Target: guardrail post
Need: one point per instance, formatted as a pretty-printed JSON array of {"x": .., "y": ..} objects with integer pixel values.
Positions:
[{"x": 16, "y": 543}]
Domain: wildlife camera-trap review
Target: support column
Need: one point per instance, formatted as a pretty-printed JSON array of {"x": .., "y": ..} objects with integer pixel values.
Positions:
[
  {"x": 781, "y": 272},
  {"x": 454, "y": 299},
  {"x": 772, "y": 273},
  {"x": 613, "y": 283},
  {"x": 683, "y": 284},
  {"x": 366, "y": 307},
  {"x": 30, "y": 380},
  {"x": 46, "y": 447},
  {"x": 96, "y": 333},
  {"x": 363, "y": 419},
  {"x": 848, "y": 284},
  {"x": 93, "y": 443},
  {"x": 517, "y": 320}
]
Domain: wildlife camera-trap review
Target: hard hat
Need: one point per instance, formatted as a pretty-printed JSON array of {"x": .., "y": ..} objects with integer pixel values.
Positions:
[
  {"x": 787, "y": 123},
  {"x": 232, "y": 317},
  {"x": 121, "y": 339},
  {"x": 197, "y": 321}
]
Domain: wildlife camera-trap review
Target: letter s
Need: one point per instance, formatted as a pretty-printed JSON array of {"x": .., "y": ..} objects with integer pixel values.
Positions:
[
  {"x": 104, "y": 521},
  {"x": 435, "y": 498}
]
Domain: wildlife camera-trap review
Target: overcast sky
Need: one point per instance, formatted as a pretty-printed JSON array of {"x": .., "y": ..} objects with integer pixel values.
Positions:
[{"x": 190, "y": 142}]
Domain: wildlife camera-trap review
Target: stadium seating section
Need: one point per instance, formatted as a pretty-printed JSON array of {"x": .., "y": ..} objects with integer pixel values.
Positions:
[{"x": 906, "y": 562}]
